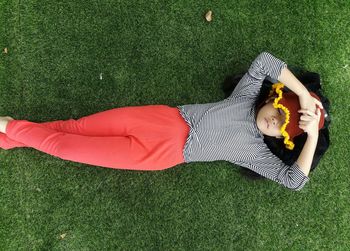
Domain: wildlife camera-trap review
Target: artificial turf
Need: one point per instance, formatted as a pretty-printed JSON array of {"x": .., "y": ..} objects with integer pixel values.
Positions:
[{"x": 164, "y": 52}]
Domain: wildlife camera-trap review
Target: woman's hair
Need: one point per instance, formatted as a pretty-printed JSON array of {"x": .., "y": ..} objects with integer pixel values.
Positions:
[{"x": 313, "y": 83}]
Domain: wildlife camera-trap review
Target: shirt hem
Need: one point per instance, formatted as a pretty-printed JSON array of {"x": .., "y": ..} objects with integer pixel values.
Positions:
[{"x": 185, "y": 152}]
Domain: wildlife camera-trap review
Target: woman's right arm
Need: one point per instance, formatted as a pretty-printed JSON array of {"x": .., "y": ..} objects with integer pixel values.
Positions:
[
  {"x": 295, "y": 176},
  {"x": 304, "y": 160},
  {"x": 309, "y": 123}
]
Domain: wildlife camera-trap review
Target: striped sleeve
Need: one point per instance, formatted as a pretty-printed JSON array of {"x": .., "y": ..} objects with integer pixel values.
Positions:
[
  {"x": 264, "y": 65},
  {"x": 270, "y": 166}
]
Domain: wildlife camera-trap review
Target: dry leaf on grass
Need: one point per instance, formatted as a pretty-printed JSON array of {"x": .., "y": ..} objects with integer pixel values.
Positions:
[
  {"x": 5, "y": 51},
  {"x": 62, "y": 236},
  {"x": 208, "y": 16}
]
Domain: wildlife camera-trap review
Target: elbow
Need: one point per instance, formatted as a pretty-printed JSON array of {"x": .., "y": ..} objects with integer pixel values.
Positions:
[
  {"x": 295, "y": 186},
  {"x": 259, "y": 67},
  {"x": 292, "y": 177},
  {"x": 264, "y": 54},
  {"x": 267, "y": 60}
]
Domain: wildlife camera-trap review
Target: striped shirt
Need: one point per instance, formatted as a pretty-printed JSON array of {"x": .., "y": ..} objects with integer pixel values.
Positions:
[{"x": 227, "y": 130}]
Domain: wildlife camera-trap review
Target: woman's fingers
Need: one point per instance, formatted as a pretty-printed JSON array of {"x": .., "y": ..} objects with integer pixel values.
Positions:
[
  {"x": 307, "y": 118},
  {"x": 307, "y": 122},
  {"x": 318, "y": 112},
  {"x": 305, "y": 125},
  {"x": 308, "y": 115},
  {"x": 306, "y": 111},
  {"x": 318, "y": 103}
]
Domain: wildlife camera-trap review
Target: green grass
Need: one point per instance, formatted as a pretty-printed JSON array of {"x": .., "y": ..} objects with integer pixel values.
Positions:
[{"x": 154, "y": 52}]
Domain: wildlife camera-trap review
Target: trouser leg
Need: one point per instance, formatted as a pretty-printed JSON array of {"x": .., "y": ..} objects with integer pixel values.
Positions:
[
  {"x": 113, "y": 122},
  {"x": 122, "y": 152},
  {"x": 149, "y": 138}
]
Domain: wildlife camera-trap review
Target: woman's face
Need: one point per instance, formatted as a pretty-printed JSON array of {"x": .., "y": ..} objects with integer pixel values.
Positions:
[{"x": 270, "y": 120}]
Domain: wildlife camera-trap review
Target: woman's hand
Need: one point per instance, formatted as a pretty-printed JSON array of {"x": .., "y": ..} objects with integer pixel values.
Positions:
[
  {"x": 308, "y": 102},
  {"x": 309, "y": 121}
]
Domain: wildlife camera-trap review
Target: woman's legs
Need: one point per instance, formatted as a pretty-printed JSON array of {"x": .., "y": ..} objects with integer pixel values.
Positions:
[
  {"x": 141, "y": 138},
  {"x": 113, "y": 122},
  {"x": 114, "y": 151},
  {"x": 99, "y": 124}
]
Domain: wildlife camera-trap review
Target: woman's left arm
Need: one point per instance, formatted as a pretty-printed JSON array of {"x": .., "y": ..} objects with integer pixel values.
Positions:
[{"x": 307, "y": 102}]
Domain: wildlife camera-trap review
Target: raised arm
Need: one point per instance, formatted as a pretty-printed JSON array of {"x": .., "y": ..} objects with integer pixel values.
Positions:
[
  {"x": 265, "y": 163},
  {"x": 309, "y": 119},
  {"x": 309, "y": 123},
  {"x": 264, "y": 65}
]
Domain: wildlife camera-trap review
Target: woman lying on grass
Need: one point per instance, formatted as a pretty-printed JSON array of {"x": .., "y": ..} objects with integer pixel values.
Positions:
[{"x": 156, "y": 137}]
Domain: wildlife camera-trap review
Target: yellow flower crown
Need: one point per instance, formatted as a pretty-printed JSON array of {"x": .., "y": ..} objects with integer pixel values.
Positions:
[{"x": 277, "y": 88}]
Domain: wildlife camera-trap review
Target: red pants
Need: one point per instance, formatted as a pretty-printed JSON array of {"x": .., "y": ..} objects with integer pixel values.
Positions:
[{"x": 148, "y": 137}]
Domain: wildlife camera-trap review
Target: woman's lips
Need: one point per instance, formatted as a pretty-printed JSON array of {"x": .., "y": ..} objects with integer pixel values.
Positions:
[{"x": 267, "y": 123}]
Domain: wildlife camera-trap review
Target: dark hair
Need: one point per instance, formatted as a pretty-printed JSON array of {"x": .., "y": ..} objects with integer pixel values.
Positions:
[{"x": 312, "y": 82}]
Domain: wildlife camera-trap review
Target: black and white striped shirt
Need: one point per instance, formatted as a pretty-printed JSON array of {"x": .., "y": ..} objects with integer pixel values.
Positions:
[{"x": 227, "y": 130}]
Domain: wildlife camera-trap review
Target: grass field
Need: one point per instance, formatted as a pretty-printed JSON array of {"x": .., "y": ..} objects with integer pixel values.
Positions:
[{"x": 159, "y": 52}]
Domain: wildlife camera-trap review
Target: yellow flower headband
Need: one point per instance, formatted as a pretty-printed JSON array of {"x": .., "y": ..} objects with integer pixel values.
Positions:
[{"x": 276, "y": 88}]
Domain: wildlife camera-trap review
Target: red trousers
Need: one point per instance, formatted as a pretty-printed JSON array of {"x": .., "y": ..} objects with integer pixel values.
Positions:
[{"x": 148, "y": 137}]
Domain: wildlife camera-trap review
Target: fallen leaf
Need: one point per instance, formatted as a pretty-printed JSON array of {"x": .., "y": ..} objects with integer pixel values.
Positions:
[
  {"x": 62, "y": 236},
  {"x": 5, "y": 51},
  {"x": 208, "y": 16}
]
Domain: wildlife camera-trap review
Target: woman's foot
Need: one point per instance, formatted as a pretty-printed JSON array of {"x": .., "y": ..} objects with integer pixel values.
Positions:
[{"x": 3, "y": 123}]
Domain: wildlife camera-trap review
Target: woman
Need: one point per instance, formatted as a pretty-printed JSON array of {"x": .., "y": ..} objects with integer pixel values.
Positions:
[{"x": 157, "y": 137}]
